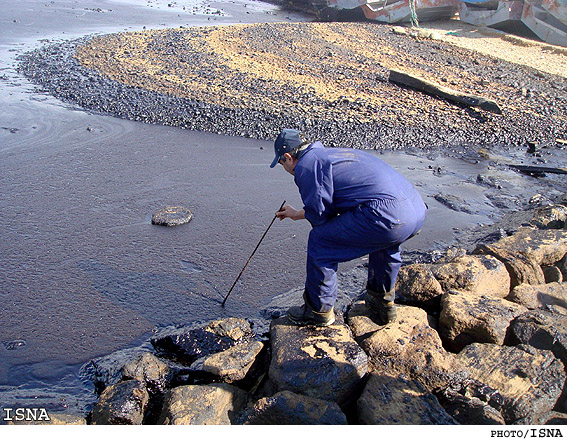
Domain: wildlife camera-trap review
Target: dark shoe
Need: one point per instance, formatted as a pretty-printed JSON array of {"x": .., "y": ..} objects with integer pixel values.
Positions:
[
  {"x": 305, "y": 315},
  {"x": 383, "y": 311}
]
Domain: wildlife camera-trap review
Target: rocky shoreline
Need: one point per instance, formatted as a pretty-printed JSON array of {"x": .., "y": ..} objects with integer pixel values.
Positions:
[
  {"x": 480, "y": 339},
  {"x": 329, "y": 80}
]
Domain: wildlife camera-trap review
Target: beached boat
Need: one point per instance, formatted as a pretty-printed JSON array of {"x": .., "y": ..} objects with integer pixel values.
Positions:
[{"x": 543, "y": 19}]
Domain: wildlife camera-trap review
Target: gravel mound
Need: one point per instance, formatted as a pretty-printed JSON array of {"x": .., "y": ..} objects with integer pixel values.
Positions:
[{"x": 329, "y": 80}]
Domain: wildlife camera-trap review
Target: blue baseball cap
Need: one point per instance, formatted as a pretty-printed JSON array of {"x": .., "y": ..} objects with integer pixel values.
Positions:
[{"x": 287, "y": 140}]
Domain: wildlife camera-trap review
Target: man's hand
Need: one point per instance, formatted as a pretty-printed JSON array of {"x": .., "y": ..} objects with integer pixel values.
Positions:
[{"x": 292, "y": 213}]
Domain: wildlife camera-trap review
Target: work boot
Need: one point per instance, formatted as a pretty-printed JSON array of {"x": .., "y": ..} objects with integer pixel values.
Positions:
[
  {"x": 305, "y": 315},
  {"x": 382, "y": 311}
]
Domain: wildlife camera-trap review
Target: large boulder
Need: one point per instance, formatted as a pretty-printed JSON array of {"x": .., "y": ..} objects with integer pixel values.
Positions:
[
  {"x": 409, "y": 346},
  {"x": 543, "y": 246},
  {"x": 484, "y": 275},
  {"x": 189, "y": 343},
  {"x": 467, "y": 318},
  {"x": 212, "y": 404},
  {"x": 526, "y": 251},
  {"x": 522, "y": 269},
  {"x": 324, "y": 363},
  {"x": 556, "y": 419},
  {"x": 122, "y": 403},
  {"x": 395, "y": 400},
  {"x": 530, "y": 380},
  {"x": 543, "y": 330},
  {"x": 547, "y": 296},
  {"x": 417, "y": 285},
  {"x": 550, "y": 217},
  {"x": 148, "y": 369},
  {"x": 233, "y": 364},
  {"x": 107, "y": 370},
  {"x": 290, "y": 408},
  {"x": 470, "y": 407}
]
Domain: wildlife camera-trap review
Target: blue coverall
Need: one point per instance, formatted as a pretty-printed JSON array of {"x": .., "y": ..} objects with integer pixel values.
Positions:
[{"x": 357, "y": 205}]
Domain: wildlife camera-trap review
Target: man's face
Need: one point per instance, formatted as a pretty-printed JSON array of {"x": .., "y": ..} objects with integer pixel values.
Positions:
[{"x": 288, "y": 163}]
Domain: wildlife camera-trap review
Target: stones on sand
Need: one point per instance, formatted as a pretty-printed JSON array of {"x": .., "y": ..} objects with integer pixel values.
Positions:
[{"x": 129, "y": 87}]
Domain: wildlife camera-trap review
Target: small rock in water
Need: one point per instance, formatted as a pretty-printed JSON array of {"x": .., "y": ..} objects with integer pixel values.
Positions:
[
  {"x": 538, "y": 200},
  {"x": 14, "y": 344},
  {"x": 171, "y": 216}
]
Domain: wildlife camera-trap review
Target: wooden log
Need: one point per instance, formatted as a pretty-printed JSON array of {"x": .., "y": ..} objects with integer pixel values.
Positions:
[
  {"x": 428, "y": 87},
  {"x": 537, "y": 170}
]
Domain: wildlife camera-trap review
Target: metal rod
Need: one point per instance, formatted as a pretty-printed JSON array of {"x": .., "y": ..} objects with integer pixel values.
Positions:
[{"x": 250, "y": 258}]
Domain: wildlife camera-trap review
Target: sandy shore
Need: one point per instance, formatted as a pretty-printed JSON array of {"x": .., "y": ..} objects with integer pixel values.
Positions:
[{"x": 535, "y": 54}]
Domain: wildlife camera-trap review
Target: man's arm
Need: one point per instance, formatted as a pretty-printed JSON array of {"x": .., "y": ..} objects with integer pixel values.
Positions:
[
  {"x": 316, "y": 189},
  {"x": 292, "y": 213}
]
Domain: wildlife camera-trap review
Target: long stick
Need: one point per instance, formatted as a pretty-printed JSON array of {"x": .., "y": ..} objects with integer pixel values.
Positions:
[
  {"x": 422, "y": 84},
  {"x": 250, "y": 258}
]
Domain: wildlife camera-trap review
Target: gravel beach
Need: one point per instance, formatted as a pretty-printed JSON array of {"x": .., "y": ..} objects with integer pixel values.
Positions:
[{"x": 328, "y": 79}]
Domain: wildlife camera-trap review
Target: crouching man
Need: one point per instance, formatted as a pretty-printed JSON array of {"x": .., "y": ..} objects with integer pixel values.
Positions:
[{"x": 357, "y": 205}]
